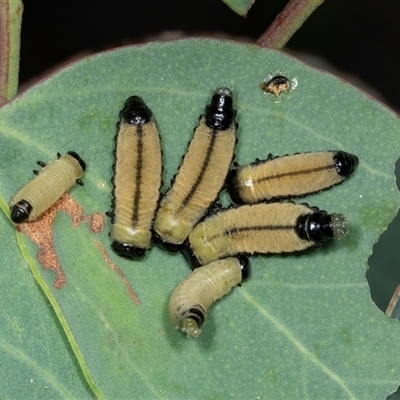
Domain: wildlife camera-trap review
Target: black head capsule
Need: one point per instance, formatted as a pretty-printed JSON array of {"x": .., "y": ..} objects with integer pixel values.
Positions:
[
  {"x": 345, "y": 163},
  {"x": 135, "y": 111},
  {"x": 128, "y": 251},
  {"x": 319, "y": 227},
  {"x": 194, "y": 315},
  {"x": 20, "y": 212},
  {"x": 220, "y": 114}
]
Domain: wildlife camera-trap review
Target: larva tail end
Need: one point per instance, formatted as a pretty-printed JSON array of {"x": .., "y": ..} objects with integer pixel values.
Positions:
[
  {"x": 20, "y": 212},
  {"x": 128, "y": 251},
  {"x": 190, "y": 256},
  {"x": 244, "y": 266},
  {"x": 78, "y": 158},
  {"x": 339, "y": 225},
  {"x": 233, "y": 187},
  {"x": 191, "y": 328},
  {"x": 169, "y": 247}
]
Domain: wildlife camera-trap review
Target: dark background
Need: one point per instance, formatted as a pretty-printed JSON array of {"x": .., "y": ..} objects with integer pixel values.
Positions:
[{"x": 360, "y": 37}]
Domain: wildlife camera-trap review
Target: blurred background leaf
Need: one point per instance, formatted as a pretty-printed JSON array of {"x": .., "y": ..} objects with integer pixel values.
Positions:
[{"x": 240, "y": 7}]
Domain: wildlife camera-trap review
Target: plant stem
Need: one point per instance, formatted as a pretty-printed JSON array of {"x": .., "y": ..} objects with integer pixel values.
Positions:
[
  {"x": 287, "y": 23},
  {"x": 10, "y": 30}
]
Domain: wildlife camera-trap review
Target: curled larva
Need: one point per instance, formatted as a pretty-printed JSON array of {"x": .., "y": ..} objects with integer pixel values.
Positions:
[
  {"x": 202, "y": 173},
  {"x": 290, "y": 176},
  {"x": 191, "y": 299},
  {"x": 262, "y": 228},
  {"x": 47, "y": 187},
  {"x": 136, "y": 181}
]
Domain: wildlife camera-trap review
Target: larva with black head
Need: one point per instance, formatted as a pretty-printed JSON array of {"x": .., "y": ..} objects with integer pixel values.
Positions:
[
  {"x": 47, "y": 187},
  {"x": 290, "y": 176},
  {"x": 276, "y": 85},
  {"x": 202, "y": 173},
  {"x": 262, "y": 228},
  {"x": 192, "y": 298},
  {"x": 137, "y": 179}
]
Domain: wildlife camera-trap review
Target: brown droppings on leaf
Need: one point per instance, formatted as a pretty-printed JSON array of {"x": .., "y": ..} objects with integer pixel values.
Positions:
[
  {"x": 118, "y": 271},
  {"x": 41, "y": 233},
  {"x": 96, "y": 222}
]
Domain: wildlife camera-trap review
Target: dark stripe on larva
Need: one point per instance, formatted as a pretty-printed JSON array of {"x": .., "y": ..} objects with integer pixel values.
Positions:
[
  {"x": 294, "y": 173},
  {"x": 203, "y": 170},
  {"x": 257, "y": 228},
  {"x": 234, "y": 231},
  {"x": 138, "y": 178}
]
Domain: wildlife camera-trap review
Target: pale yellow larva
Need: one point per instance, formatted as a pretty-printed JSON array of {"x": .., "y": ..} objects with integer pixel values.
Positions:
[
  {"x": 137, "y": 179},
  {"x": 191, "y": 299},
  {"x": 262, "y": 228},
  {"x": 202, "y": 173},
  {"x": 47, "y": 187},
  {"x": 290, "y": 176}
]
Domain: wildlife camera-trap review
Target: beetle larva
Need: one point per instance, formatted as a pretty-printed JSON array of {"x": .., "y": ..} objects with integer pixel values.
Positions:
[
  {"x": 137, "y": 179},
  {"x": 191, "y": 299},
  {"x": 263, "y": 228},
  {"x": 202, "y": 173},
  {"x": 290, "y": 176},
  {"x": 47, "y": 187}
]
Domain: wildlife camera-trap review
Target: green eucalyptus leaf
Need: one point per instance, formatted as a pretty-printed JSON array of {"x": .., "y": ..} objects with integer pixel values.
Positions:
[
  {"x": 240, "y": 7},
  {"x": 304, "y": 325},
  {"x": 36, "y": 360}
]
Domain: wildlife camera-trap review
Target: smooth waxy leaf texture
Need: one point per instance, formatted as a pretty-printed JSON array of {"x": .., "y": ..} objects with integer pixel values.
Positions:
[{"x": 304, "y": 325}]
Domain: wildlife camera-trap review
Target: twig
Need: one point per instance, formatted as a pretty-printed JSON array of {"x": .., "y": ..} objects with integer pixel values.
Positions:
[
  {"x": 287, "y": 23},
  {"x": 10, "y": 30}
]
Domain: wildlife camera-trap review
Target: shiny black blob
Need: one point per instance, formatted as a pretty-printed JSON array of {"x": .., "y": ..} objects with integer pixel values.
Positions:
[
  {"x": 20, "y": 212},
  {"x": 78, "y": 158},
  {"x": 135, "y": 111},
  {"x": 220, "y": 113},
  {"x": 190, "y": 256},
  {"x": 232, "y": 184},
  {"x": 345, "y": 163},
  {"x": 196, "y": 315},
  {"x": 169, "y": 247},
  {"x": 315, "y": 227},
  {"x": 128, "y": 251},
  {"x": 244, "y": 267}
]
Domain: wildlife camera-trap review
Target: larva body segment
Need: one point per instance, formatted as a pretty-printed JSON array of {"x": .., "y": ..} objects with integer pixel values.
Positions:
[
  {"x": 136, "y": 181},
  {"x": 47, "y": 187},
  {"x": 263, "y": 228},
  {"x": 191, "y": 299},
  {"x": 290, "y": 176},
  {"x": 202, "y": 173}
]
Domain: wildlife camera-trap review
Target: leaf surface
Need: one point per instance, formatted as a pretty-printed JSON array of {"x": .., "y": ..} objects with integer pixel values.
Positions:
[
  {"x": 36, "y": 359},
  {"x": 304, "y": 325}
]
